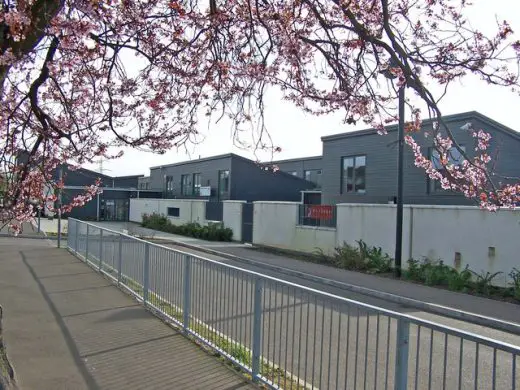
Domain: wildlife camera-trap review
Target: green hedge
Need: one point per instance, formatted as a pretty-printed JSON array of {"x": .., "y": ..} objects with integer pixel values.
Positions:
[{"x": 210, "y": 233}]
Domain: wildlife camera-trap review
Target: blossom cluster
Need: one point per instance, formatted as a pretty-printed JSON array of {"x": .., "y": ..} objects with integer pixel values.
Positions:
[{"x": 84, "y": 79}]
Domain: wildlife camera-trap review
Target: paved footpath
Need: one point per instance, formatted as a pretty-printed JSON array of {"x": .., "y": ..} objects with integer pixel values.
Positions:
[{"x": 67, "y": 327}]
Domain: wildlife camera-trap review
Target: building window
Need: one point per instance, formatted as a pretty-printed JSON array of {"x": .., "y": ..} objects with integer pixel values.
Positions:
[
  {"x": 186, "y": 185},
  {"x": 173, "y": 211},
  {"x": 197, "y": 183},
  {"x": 169, "y": 183},
  {"x": 314, "y": 176},
  {"x": 454, "y": 158},
  {"x": 354, "y": 174},
  {"x": 223, "y": 184}
]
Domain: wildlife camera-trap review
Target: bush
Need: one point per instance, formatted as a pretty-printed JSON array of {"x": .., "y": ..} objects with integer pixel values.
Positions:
[
  {"x": 155, "y": 221},
  {"x": 414, "y": 271},
  {"x": 459, "y": 281},
  {"x": 213, "y": 232},
  {"x": 376, "y": 260},
  {"x": 483, "y": 283},
  {"x": 360, "y": 258},
  {"x": 348, "y": 257},
  {"x": 436, "y": 273},
  {"x": 515, "y": 283}
]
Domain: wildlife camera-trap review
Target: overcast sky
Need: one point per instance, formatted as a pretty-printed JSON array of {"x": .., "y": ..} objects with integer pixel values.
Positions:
[{"x": 299, "y": 134}]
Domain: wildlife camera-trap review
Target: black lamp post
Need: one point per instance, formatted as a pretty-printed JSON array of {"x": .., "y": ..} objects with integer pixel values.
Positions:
[{"x": 399, "y": 215}]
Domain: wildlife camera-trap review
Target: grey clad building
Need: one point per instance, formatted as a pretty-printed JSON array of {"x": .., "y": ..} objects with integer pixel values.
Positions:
[
  {"x": 361, "y": 166},
  {"x": 355, "y": 167},
  {"x": 112, "y": 204},
  {"x": 308, "y": 168},
  {"x": 226, "y": 177}
]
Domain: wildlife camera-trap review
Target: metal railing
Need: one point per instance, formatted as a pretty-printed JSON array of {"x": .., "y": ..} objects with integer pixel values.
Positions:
[
  {"x": 289, "y": 336},
  {"x": 317, "y": 215}
]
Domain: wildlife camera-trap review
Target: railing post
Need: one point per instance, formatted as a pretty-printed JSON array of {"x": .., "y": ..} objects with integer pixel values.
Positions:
[
  {"x": 76, "y": 238},
  {"x": 146, "y": 281},
  {"x": 187, "y": 294},
  {"x": 401, "y": 354},
  {"x": 100, "y": 266},
  {"x": 120, "y": 260},
  {"x": 257, "y": 327},
  {"x": 86, "y": 244}
]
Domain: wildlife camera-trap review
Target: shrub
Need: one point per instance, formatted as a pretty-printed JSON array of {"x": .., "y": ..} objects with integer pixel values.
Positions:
[
  {"x": 414, "y": 271},
  {"x": 515, "y": 283},
  {"x": 212, "y": 232},
  {"x": 435, "y": 272},
  {"x": 458, "y": 281},
  {"x": 376, "y": 260},
  {"x": 349, "y": 257},
  {"x": 483, "y": 281},
  {"x": 155, "y": 221},
  {"x": 360, "y": 258}
]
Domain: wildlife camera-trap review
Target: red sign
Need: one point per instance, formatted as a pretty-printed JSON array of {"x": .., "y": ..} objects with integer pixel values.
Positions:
[{"x": 323, "y": 212}]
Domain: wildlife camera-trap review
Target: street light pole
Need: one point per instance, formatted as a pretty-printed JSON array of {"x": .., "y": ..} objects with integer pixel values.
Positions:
[
  {"x": 399, "y": 214},
  {"x": 59, "y": 206}
]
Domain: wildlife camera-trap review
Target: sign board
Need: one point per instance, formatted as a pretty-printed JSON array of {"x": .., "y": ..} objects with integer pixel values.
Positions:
[
  {"x": 322, "y": 212},
  {"x": 205, "y": 191}
]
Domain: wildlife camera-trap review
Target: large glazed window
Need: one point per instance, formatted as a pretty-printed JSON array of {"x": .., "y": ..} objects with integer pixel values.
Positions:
[
  {"x": 354, "y": 174},
  {"x": 223, "y": 184}
]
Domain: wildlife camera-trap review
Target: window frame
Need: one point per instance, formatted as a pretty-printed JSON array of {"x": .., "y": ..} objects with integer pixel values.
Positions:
[
  {"x": 343, "y": 189},
  {"x": 220, "y": 191},
  {"x": 196, "y": 187},
  {"x": 174, "y": 212},
  {"x": 318, "y": 174},
  {"x": 169, "y": 183},
  {"x": 186, "y": 185},
  {"x": 434, "y": 186}
]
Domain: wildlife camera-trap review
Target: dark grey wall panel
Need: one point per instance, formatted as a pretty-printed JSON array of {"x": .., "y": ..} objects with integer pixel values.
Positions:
[
  {"x": 299, "y": 165},
  {"x": 126, "y": 181},
  {"x": 381, "y": 168},
  {"x": 250, "y": 182},
  {"x": 88, "y": 211},
  {"x": 208, "y": 168}
]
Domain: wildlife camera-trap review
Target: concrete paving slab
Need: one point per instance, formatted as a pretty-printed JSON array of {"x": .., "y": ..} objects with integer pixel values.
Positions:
[{"x": 66, "y": 327}]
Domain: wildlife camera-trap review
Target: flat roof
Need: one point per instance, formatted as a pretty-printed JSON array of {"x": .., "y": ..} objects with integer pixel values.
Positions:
[
  {"x": 294, "y": 160},
  {"x": 218, "y": 157},
  {"x": 127, "y": 177},
  {"x": 447, "y": 118},
  {"x": 102, "y": 188}
]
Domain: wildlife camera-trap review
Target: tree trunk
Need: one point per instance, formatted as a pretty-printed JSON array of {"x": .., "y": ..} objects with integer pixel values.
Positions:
[{"x": 7, "y": 381}]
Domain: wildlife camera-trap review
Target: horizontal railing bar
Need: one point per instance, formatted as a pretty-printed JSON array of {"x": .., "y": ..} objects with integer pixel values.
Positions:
[{"x": 483, "y": 340}]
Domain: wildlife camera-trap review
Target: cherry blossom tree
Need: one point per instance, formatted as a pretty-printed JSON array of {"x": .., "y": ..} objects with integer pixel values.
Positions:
[{"x": 82, "y": 79}]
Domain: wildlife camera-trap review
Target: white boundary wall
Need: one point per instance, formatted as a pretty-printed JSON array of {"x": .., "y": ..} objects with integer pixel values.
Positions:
[
  {"x": 275, "y": 224},
  {"x": 232, "y": 217},
  {"x": 190, "y": 210},
  {"x": 458, "y": 235}
]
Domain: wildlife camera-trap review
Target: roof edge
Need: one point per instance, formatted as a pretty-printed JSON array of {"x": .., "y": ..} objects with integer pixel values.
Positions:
[
  {"x": 447, "y": 118},
  {"x": 294, "y": 160},
  {"x": 197, "y": 160}
]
